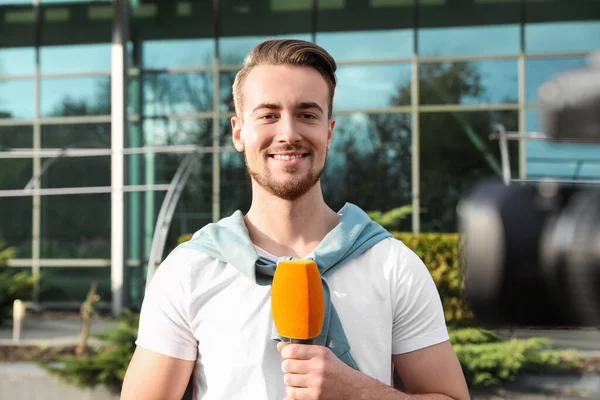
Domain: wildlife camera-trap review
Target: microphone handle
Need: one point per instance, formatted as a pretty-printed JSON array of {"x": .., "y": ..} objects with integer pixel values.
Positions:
[{"x": 302, "y": 341}]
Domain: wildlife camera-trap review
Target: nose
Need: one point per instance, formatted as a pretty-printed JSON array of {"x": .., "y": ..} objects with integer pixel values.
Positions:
[{"x": 288, "y": 131}]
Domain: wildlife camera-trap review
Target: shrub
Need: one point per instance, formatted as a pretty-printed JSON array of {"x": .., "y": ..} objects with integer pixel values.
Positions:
[
  {"x": 487, "y": 361},
  {"x": 109, "y": 363},
  {"x": 13, "y": 285},
  {"x": 440, "y": 253}
]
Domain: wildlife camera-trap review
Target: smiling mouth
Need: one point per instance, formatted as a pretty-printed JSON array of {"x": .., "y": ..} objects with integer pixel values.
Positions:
[{"x": 287, "y": 157}]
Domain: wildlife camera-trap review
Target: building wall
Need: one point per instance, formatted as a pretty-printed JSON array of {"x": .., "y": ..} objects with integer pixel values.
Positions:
[{"x": 421, "y": 86}]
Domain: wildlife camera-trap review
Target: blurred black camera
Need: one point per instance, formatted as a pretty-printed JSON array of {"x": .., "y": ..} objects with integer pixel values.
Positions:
[{"x": 531, "y": 253}]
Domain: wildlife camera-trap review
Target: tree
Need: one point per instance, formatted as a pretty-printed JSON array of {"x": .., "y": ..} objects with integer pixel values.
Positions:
[
  {"x": 455, "y": 150},
  {"x": 370, "y": 162}
]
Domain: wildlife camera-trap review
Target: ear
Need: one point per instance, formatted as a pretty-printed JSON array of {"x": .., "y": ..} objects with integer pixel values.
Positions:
[
  {"x": 236, "y": 133},
  {"x": 331, "y": 125}
]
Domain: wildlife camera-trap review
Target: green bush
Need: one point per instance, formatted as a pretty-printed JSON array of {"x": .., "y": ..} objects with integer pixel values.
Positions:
[
  {"x": 107, "y": 364},
  {"x": 13, "y": 285},
  {"x": 440, "y": 253},
  {"x": 486, "y": 360}
]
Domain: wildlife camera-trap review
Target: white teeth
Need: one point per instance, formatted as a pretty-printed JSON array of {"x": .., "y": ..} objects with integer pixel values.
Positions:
[{"x": 286, "y": 157}]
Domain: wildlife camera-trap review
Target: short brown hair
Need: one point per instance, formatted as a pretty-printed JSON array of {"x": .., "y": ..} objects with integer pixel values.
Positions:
[{"x": 290, "y": 52}]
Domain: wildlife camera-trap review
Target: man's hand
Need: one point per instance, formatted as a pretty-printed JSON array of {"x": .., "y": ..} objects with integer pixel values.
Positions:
[{"x": 314, "y": 373}]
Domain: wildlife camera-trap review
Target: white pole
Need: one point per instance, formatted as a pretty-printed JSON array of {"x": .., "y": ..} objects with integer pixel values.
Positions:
[{"x": 119, "y": 127}]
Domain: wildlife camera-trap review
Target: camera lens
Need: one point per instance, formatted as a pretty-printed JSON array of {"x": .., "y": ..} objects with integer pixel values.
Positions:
[
  {"x": 530, "y": 255},
  {"x": 570, "y": 254}
]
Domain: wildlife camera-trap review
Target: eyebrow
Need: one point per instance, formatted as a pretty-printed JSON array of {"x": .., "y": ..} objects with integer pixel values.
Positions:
[{"x": 305, "y": 105}]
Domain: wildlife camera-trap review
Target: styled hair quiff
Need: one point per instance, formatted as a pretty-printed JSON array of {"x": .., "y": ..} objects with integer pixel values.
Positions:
[{"x": 287, "y": 52}]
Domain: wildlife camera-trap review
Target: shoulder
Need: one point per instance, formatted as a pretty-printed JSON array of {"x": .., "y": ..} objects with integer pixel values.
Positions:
[
  {"x": 184, "y": 264},
  {"x": 396, "y": 255}
]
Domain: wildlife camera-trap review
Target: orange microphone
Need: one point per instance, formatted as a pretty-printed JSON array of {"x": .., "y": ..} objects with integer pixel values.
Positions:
[{"x": 297, "y": 300}]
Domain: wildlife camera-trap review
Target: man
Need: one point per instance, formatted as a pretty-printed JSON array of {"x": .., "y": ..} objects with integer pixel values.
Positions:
[{"x": 208, "y": 307}]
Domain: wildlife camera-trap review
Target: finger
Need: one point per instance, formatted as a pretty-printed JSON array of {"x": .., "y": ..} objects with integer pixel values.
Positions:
[
  {"x": 296, "y": 380},
  {"x": 300, "y": 351},
  {"x": 298, "y": 393},
  {"x": 295, "y": 366},
  {"x": 281, "y": 345}
]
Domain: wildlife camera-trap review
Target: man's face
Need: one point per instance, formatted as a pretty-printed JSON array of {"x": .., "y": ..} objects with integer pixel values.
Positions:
[{"x": 284, "y": 131}]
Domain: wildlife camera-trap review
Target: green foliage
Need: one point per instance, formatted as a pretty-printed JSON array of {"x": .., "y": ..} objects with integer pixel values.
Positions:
[
  {"x": 13, "y": 285},
  {"x": 108, "y": 365},
  {"x": 472, "y": 336},
  {"x": 441, "y": 254},
  {"x": 391, "y": 219},
  {"x": 486, "y": 360},
  {"x": 184, "y": 238}
]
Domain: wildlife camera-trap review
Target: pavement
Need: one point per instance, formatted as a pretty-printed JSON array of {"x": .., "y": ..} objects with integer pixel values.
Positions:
[
  {"x": 24, "y": 380},
  {"x": 52, "y": 330}
]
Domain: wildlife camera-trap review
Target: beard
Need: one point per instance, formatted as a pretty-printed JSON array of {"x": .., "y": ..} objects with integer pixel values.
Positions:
[{"x": 294, "y": 187}]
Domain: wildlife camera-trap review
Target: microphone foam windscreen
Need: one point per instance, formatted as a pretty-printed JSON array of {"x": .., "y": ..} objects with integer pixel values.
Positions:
[{"x": 297, "y": 299}]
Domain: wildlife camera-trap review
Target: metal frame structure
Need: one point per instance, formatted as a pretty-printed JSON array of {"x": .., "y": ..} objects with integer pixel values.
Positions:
[
  {"x": 120, "y": 73},
  {"x": 504, "y": 137},
  {"x": 167, "y": 209}
]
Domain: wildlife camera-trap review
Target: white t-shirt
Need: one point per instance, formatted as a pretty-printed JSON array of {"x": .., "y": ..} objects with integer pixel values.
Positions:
[{"x": 199, "y": 308}]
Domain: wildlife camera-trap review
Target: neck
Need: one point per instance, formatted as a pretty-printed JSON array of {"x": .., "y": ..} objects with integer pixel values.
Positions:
[{"x": 289, "y": 228}]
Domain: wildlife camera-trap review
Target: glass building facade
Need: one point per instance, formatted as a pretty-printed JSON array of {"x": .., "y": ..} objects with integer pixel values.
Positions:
[{"x": 422, "y": 83}]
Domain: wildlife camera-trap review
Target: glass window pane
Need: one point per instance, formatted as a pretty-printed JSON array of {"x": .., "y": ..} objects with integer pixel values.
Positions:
[
  {"x": 17, "y": 99},
  {"x": 161, "y": 132},
  {"x": 372, "y": 86},
  {"x": 16, "y": 136},
  {"x": 143, "y": 212},
  {"x": 160, "y": 168},
  {"x": 469, "y": 40},
  {"x": 139, "y": 230},
  {"x": 367, "y": 45},
  {"x": 567, "y": 161},
  {"x": 166, "y": 94},
  {"x": 76, "y": 136},
  {"x": 370, "y": 163},
  {"x": 75, "y": 226},
  {"x": 77, "y": 172},
  {"x": 16, "y": 222},
  {"x": 235, "y": 181},
  {"x": 15, "y": 173},
  {"x": 557, "y": 37},
  {"x": 236, "y": 190},
  {"x": 365, "y": 30},
  {"x": 18, "y": 61},
  {"x": 233, "y": 50},
  {"x": 75, "y": 58},
  {"x": 474, "y": 82},
  {"x": 72, "y": 284},
  {"x": 194, "y": 209},
  {"x": 178, "y": 53},
  {"x": 226, "y": 79},
  {"x": 245, "y": 23},
  {"x": 455, "y": 155},
  {"x": 540, "y": 71},
  {"x": 75, "y": 96}
]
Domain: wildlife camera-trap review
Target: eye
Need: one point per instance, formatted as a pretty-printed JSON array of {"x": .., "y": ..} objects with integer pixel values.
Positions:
[
  {"x": 308, "y": 116},
  {"x": 268, "y": 117}
]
